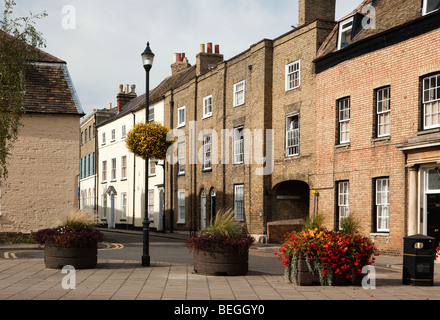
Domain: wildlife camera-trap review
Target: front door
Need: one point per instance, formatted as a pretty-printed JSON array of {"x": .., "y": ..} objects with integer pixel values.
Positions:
[
  {"x": 433, "y": 216},
  {"x": 203, "y": 210}
]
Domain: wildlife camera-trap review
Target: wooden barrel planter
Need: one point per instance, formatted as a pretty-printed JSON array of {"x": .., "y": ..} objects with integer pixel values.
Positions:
[
  {"x": 56, "y": 257},
  {"x": 227, "y": 262}
]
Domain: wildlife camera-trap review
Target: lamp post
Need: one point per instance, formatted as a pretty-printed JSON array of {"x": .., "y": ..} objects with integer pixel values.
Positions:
[{"x": 147, "y": 60}]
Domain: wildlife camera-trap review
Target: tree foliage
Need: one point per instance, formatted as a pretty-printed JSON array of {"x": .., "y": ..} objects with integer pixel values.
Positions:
[{"x": 19, "y": 44}]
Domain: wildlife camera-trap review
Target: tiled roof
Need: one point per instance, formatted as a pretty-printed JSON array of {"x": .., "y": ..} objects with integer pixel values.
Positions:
[
  {"x": 389, "y": 14},
  {"x": 156, "y": 94},
  {"x": 49, "y": 88}
]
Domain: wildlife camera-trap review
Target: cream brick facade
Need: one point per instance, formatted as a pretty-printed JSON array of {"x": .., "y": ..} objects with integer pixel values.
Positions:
[{"x": 43, "y": 174}]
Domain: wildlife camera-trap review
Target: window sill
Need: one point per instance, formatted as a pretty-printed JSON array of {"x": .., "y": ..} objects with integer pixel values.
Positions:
[
  {"x": 207, "y": 117},
  {"x": 342, "y": 145},
  {"x": 180, "y": 126},
  {"x": 123, "y": 220},
  {"x": 379, "y": 139},
  {"x": 181, "y": 174},
  {"x": 103, "y": 219},
  {"x": 207, "y": 170},
  {"x": 151, "y": 175},
  {"x": 380, "y": 234},
  {"x": 124, "y": 179},
  {"x": 103, "y": 182},
  {"x": 180, "y": 222},
  {"x": 428, "y": 131}
]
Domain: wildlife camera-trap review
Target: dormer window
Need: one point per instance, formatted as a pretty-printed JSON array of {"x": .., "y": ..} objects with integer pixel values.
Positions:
[
  {"x": 430, "y": 6},
  {"x": 345, "y": 32}
]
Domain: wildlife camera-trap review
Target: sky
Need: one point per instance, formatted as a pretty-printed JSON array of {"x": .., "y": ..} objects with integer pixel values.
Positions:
[{"x": 102, "y": 41}]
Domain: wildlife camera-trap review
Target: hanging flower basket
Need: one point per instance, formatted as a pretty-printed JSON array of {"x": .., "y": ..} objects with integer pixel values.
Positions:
[{"x": 149, "y": 141}]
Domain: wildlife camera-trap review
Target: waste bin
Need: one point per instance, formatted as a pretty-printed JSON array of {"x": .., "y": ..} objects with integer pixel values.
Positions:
[{"x": 418, "y": 260}]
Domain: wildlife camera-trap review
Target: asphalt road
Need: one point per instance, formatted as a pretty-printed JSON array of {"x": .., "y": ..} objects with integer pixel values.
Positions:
[{"x": 123, "y": 246}]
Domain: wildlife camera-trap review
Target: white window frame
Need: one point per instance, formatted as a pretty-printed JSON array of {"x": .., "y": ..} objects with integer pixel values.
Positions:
[
  {"x": 151, "y": 167},
  {"x": 123, "y": 168},
  {"x": 123, "y": 205},
  {"x": 431, "y": 100},
  {"x": 382, "y": 204},
  {"x": 207, "y": 107},
  {"x": 113, "y": 172},
  {"x": 343, "y": 201},
  {"x": 344, "y": 26},
  {"x": 239, "y": 202},
  {"x": 239, "y": 93},
  {"x": 293, "y": 75},
  {"x": 181, "y": 112},
  {"x": 151, "y": 115},
  {"x": 103, "y": 142},
  {"x": 344, "y": 110},
  {"x": 181, "y": 158},
  {"x": 104, "y": 171},
  {"x": 383, "y": 111},
  {"x": 238, "y": 145},
  {"x": 113, "y": 135},
  {"x": 292, "y": 136},
  {"x": 207, "y": 151},
  {"x": 124, "y": 131},
  {"x": 425, "y": 8},
  {"x": 181, "y": 194}
]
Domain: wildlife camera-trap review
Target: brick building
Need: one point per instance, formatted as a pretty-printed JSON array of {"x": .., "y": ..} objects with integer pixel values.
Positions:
[
  {"x": 223, "y": 114},
  {"x": 377, "y": 121},
  {"x": 42, "y": 183}
]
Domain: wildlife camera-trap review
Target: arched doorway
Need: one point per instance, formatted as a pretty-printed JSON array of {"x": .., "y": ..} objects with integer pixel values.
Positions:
[
  {"x": 290, "y": 201},
  {"x": 289, "y": 208}
]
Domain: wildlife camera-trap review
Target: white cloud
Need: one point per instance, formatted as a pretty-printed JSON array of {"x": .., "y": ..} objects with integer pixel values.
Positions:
[{"x": 104, "y": 49}]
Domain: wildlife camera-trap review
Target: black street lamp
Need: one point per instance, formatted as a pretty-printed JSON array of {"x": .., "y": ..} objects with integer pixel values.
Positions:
[{"x": 147, "y": 60}]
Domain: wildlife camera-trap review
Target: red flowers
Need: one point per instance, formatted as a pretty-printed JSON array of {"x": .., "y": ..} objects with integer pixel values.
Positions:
[{"x": 332, "y": 253}]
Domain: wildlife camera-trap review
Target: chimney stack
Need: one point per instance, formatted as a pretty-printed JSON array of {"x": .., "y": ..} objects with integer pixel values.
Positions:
[
  {"x": 312, "y": 10},
  {"x": 208, "y": 60},
  {"x": 180, "y": 63},
  {"x": 125, "y": 96}
]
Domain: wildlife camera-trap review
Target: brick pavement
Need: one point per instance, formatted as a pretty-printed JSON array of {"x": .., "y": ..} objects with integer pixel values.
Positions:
[{"x": 28, "y": 279}]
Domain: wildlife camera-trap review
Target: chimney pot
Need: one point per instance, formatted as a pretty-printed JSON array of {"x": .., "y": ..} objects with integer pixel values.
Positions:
[
  {"x": 217, "y": 49},
  {"x": 209, "y": 47},
  {"x": 202, "y": 48},
  {"x": 133, "y": 88},
  {"x": 121, "y": 88}
]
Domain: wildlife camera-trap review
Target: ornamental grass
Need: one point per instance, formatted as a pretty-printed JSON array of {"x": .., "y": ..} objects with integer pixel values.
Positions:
[
  {"x": 76, "y": 230},
  {"x": 224, "y": 232},
  {"x": 329, "y": 254}
]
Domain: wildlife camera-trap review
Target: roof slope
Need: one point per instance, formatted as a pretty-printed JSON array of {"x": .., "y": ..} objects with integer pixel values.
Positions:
[
  {"x": 389, "y": 14},
  {"x": 49, "y": 88},
  {"x": 156, "y": 94}
]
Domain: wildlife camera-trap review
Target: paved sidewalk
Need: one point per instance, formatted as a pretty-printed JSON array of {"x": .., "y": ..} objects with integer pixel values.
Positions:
[{"x": 22, "y": 279}]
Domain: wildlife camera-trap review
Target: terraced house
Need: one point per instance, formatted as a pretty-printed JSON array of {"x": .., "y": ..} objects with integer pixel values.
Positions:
[
  {"x": 246, "y": 130},
  {"x": 377, "y": 121}
]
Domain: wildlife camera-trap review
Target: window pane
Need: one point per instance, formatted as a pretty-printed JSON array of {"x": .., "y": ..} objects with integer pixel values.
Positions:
[
  {"x": 434, "y": 179},
  {"x": 432, "y": 5}
]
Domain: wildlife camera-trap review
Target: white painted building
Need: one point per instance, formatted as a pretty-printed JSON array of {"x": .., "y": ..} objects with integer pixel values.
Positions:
[{"x": 121, "y": 174}]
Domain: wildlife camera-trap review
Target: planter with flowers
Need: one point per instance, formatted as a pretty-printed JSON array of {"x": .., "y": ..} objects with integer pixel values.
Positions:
[
  {"x": 73, "y": 243},
  {"x": 326, "y": 257},
  {"x": 222, "y": 248}
]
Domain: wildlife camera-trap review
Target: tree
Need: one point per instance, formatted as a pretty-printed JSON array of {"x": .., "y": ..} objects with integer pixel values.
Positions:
[{"x": 19, "y": 44}]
